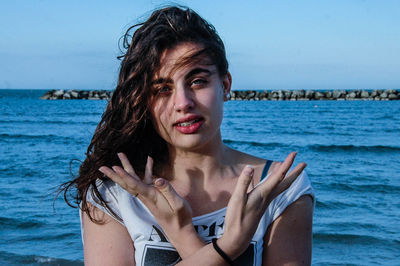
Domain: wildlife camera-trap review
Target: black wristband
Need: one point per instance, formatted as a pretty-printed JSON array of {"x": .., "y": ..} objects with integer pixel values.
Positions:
[{"x": 221, "y": 252}]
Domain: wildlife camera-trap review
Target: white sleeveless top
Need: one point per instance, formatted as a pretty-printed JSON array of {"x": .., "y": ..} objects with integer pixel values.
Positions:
[{"x": 151, "y": 244}]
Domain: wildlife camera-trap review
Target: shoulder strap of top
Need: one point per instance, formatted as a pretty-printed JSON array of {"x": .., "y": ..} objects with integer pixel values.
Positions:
[{"x": 265, "y": 170}]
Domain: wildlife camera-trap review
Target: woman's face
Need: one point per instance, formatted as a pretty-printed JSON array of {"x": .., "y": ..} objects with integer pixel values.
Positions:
[{"x": 187, "y": 99}]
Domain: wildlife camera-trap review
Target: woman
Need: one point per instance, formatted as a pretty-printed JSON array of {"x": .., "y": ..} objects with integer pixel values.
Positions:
[{"x": 157, "y": 178}]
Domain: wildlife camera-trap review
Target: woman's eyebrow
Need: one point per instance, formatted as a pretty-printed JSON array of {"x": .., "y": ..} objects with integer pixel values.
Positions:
[
  {"x": 161, "y": 81},
  {"x": 198, "y": 70},
  {"x": 192, "y": 72}
]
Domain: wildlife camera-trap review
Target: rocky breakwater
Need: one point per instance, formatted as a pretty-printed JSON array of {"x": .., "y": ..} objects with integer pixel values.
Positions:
[
  {"x": 77, "y": 95},
  {"x": 307, "y": 95},
  {"x": 239, "y": 95}
]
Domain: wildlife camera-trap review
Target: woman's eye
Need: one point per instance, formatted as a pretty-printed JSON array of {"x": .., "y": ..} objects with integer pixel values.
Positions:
[
  {"x": 199, "y": 82},
  {"x": 163, "y": 90}
]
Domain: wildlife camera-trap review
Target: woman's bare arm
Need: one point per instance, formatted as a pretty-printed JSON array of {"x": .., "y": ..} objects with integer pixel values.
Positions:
[
  {"x": 108, "y": 243},
  {"x": 289, "y": 238}
]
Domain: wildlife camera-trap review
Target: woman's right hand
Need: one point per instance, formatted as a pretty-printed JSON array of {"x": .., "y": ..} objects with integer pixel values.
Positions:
[
  {"x": 172, "y": 212},
  {"x": 245, "y": 209}
]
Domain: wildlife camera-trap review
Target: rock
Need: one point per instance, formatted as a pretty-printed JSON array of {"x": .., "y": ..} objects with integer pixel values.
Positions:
[
  {"x": 364, "y": 94},
  {"x": 309, "y": 94},
  {"x": 250, "y": 95},
  {"x": 298, "y": 94},
  {"x": 358, "y": 93},
  {"x": 58, "y": 93},
  {"x": 241, "y": 95},
  {"x": 104, "y": 96},
  {"x": 328, "y": 95},
  {"x": 66, "y": 96},
  {"x": 351, "y": 95},
  {"x": 391, "y": 91},
  {"x": 274, "y": 94},
  {"x": 287, "y": 94},
  {"x": 74, "y": 94},
  {"x": 263, "y": 95},
  {"x": 339, "y": 94},
  {"x": 318, "y": 95},
  {"x": 393, "y": 96},
  {"x": 84, "y": 95},
  {"x": 47, "y": 95}
]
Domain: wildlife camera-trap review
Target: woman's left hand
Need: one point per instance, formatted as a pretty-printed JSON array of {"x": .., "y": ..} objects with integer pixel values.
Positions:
[
  {"x": 245, "y": 209},
  {"x": 171, "y": 211}
]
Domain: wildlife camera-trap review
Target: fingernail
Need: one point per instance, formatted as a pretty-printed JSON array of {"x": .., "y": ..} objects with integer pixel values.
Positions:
[
  {"x": 159, "y": 182},
  {"x": 249, "y": 170},
  {"x": 119, "y": 154},
  {"x": 101, "y": 170}
]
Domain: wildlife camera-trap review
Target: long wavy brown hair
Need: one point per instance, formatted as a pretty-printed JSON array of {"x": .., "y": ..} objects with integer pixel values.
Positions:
[{"x": 126, "y": 125}]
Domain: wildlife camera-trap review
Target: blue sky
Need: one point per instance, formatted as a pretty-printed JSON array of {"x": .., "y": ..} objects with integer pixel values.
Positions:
[{"x": 282, "y": 44}]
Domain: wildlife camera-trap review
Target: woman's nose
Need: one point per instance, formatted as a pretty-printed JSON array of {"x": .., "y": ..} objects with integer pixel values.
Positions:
[{"x": 183, "y": 100}]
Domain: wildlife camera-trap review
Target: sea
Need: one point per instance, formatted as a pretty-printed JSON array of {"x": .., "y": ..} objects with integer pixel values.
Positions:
[{"x": 352, "y": 149}]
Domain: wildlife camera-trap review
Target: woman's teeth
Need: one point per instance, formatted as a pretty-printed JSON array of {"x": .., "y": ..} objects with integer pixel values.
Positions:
[{"x": 185, "y": 124}]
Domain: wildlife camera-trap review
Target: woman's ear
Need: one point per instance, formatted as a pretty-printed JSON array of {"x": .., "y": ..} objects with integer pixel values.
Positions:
[{"x": 227, "y": 83}]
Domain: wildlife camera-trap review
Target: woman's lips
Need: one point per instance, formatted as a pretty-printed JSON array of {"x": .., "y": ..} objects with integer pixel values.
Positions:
[{"x": 189, "y": 126}]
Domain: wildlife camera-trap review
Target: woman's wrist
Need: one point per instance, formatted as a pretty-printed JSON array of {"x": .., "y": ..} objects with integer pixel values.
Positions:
[
  {"x": 228, "y": 247},
  {"x": 186, "y": 241},
  {"x": 222, "y": 253}
]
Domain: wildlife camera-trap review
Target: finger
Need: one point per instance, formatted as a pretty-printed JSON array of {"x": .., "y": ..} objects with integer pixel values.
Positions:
[
  {"x": 148, "y": 174},
  {"x": 239, "y": 194},
  {"x": 130, "y": 184},
  {"x": 174, "y": 200},
  {"x": 280, "y": 174},
  {"x": 111, "y": 174},
  {"x": 126, "y": 164},
  {"x": 287, "y": 181}
]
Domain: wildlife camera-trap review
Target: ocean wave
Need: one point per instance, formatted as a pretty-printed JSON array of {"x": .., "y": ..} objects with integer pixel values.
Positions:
[
  {"x": 386, "y": 116},
  {"x": 46, "y": 137},
  {"x": 7, "y": 223},
  {"x": 363, "y": 188},
  {"x": 51, "y": 122},
  {"x": 256, "y": 144},
  {"x": 357, "y": 148},
  {"x": 43, "y": 237},
  {"x": 319, "y": 147},
  {"x": 336, "y": 225},
  {"x": 7, "y": 258},
  {"x": 25, "y": 136},
  {"x": 333, "y": 205},
  {"x": 391, "y": 130},
  {"x": 338, "y": 238}
]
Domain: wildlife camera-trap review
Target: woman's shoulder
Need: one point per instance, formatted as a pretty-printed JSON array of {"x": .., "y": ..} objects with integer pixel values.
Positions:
[{"x": 262, "y": 166}]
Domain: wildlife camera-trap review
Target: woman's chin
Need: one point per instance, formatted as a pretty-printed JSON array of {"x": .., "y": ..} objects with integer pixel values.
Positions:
[{"x": 191, "y": 143}]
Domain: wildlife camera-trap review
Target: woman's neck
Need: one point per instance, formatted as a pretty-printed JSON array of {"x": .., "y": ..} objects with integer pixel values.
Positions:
[{"x": 201, "y": 165}]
